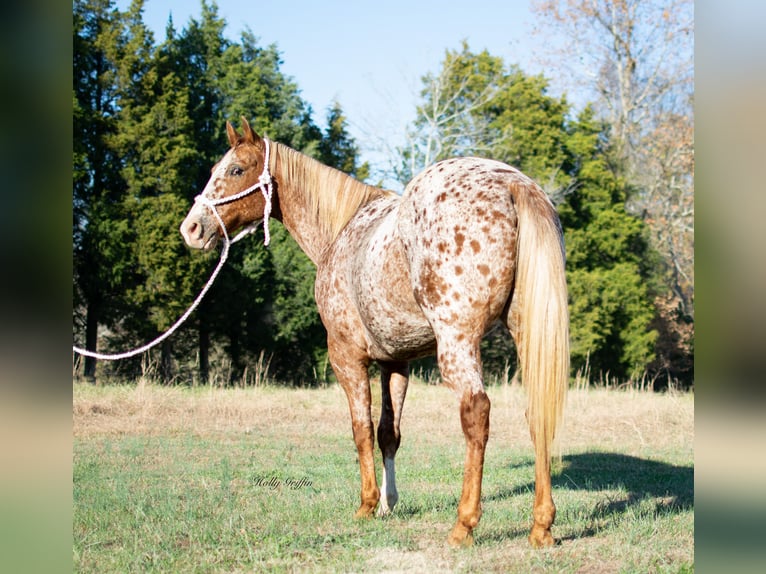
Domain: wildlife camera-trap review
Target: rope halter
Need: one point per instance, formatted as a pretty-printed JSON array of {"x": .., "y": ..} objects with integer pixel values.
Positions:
[{"x": 264, "y": 183}]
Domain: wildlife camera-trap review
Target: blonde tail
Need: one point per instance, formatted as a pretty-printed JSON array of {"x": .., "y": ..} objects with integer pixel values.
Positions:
[{"x": 543, "y": 316}]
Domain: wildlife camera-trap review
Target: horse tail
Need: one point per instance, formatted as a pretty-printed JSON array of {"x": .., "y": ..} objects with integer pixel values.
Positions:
[{"x": 541, "y": 313}]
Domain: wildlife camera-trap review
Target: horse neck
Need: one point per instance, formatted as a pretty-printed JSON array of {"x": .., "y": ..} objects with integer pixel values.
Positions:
[{"x": 315, "y": 200}]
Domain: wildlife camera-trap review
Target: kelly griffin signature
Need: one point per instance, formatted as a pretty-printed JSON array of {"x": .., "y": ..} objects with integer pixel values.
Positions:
[{"x": 276, "y": 483}]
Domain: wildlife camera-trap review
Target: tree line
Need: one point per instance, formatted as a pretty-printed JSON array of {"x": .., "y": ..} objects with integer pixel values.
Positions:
[{"x": 148, "y": 121}]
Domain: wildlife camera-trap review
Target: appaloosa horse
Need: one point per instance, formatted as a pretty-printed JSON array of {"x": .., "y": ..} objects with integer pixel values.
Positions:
[{"x": 471, "y": 241}]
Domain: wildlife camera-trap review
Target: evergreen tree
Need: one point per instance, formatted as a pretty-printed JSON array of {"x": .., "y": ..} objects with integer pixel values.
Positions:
[
  {"x": 263, "y": 299},
  {"x": 156, "y": 147},
  {"x": 268, "y": 304},
  {"x": 98, "y": 235},
  {"x": 533, "y": 128},
  {"x": 338, "y": 149},
  {"x": 192, "y": 60},
  {"x": 610, "y": 267}
]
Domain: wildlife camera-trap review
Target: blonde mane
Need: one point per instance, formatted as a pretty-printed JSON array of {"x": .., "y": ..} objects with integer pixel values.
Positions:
[{"x": 332, "y": 196}]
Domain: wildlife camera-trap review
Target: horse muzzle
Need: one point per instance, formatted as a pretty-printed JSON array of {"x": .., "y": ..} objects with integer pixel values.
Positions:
[{"x": 199, "y": 231}]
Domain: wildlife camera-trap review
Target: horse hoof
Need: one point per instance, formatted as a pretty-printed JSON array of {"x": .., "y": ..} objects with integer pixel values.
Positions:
[
  {"x": 382, "y": 511},
  {"x": 460, "y": 537},
  {"x": 540, "y": 538},
  {"x": 364, "y": 511},
  {"x": 386, "y": 505}
]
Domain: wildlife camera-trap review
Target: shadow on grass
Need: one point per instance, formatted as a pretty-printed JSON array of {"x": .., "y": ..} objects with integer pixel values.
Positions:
[
  {"x": 669, "y": 488},
  {"x": 642, "y": 478},
  {"x": 631, "y": 486}
]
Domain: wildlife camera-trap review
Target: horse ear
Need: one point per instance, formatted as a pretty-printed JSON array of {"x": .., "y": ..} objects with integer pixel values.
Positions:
[
  {"x": 247, "y": 132},
  {"x": 232, "y": 133}
]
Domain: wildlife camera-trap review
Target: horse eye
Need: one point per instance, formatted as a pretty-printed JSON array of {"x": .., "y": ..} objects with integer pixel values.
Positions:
[{"x": 236, "y": 171}]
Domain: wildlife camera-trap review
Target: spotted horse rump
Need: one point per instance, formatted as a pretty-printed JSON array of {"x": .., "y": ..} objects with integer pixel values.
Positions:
[{"x": 470, "y": 242}]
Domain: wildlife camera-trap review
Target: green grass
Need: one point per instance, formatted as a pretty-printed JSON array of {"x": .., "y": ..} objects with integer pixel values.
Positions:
[{"x": 201, "y": 480}]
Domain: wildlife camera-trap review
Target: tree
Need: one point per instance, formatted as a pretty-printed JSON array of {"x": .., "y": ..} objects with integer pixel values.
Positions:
[
  {"x": 133, "y": 153},
  {"x": 263, "y": 300},
  {"x": 156, "y": 148},
  {"x": 148, "y": 126},
  {"x": 98, "y": 243},
  {"x": 193, "y": 58},
  {"x": 610, "y": 267},
  {"x": 449, "y": 120},
  {"x": 338, "y": 149},
  {"x": 478, "y": 105},
  {"x": 634, "y": 60}
]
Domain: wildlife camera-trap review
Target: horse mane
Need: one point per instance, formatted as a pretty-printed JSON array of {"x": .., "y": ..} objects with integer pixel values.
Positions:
[{"x": 333, "y": 197}]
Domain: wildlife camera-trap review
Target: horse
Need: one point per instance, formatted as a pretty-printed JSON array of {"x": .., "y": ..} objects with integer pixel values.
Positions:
[{"x": 469, "y": 243}]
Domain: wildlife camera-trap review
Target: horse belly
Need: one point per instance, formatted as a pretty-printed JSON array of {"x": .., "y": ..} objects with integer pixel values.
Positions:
[{"x": 397, "y": 328}]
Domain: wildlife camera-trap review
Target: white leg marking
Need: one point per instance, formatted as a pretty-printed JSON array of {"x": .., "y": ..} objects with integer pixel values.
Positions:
[{"x": 388, "y": 494}]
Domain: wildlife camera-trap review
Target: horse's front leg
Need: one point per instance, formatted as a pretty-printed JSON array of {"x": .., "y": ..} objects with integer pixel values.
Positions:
[
  {"x": 394, "y": 378},
  {"x": 352, "y": 375}
]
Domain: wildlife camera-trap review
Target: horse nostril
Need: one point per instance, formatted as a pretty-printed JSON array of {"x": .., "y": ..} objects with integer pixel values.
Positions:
[
  {"x": 194, "y": 230},
  {"x": 191, "y": 230}
]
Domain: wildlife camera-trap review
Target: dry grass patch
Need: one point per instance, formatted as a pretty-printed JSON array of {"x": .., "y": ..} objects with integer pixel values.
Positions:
[
  {"x": 148, "y": 409},
  {"x": 634, "y": 421}
]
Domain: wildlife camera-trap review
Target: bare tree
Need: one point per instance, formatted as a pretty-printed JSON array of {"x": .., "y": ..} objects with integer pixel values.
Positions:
[
  {"x": 449, "y": 120},
  {"x": 634, "y": 59},
  {"x": 667, "y": 200},
  {"x": 451, "y": 126}
]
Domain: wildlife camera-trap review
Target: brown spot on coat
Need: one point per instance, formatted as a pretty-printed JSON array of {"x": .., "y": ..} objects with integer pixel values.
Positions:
[{"x": 459, "y": 240}]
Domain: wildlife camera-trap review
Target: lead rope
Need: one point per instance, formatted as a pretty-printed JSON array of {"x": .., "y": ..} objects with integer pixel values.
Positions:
[{"x": 264, "y": 184}]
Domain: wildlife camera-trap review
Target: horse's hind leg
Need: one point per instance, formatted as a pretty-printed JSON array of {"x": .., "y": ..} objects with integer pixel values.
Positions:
[
  {"x": 544, "y": 510},
  {"x": 460, "y": 366},
  {"x": 352, "y": 375},
  {"x": 393, "y": 381},
  {"x": 474, "y": 418}
]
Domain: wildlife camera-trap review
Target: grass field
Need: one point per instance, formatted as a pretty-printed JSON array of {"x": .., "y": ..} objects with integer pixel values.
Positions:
[{"x": 171, "y": 479}]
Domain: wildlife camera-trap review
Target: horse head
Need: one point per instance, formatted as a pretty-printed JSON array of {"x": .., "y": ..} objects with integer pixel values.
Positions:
[{"x": 228, "y": 198}]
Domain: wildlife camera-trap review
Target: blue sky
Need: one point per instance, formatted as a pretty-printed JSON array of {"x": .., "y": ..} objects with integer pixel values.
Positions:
[{"x": 369, "y": 55}]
